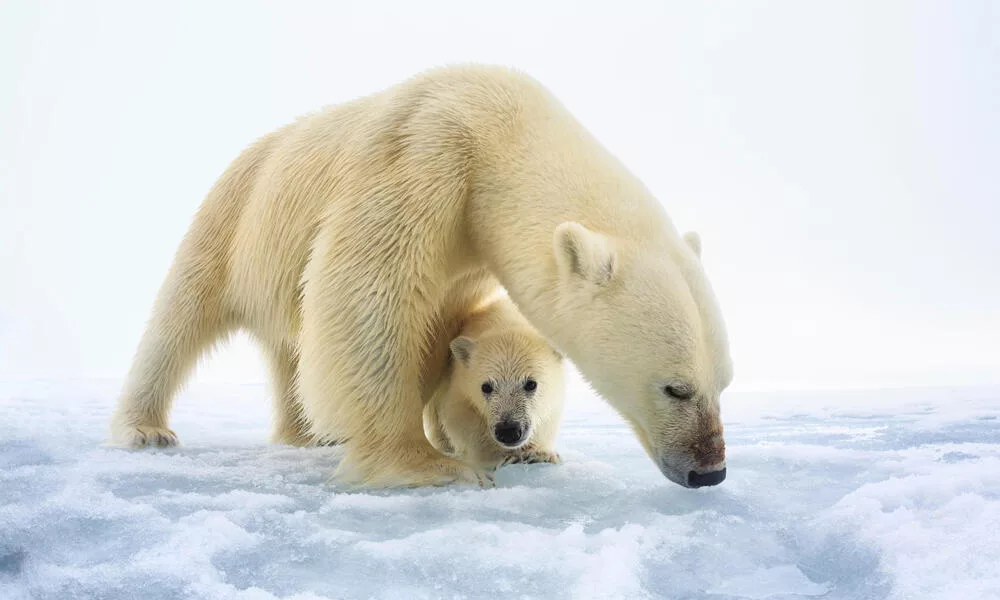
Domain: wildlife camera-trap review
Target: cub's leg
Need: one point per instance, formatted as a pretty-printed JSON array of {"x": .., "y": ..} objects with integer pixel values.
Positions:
[{"x": 435, "y": 430}]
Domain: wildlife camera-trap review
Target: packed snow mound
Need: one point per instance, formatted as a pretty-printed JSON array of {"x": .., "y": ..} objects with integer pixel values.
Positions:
[{"x": 853, "y": 495}]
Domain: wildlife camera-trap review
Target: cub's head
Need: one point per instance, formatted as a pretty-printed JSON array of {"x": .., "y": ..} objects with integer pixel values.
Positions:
[
  {"x": 642, "y": 325},
  {"x": 512, "y": 378}
]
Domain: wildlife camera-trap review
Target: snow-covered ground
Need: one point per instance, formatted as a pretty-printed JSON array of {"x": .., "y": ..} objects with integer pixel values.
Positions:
[{"x": 854, "y": 495}]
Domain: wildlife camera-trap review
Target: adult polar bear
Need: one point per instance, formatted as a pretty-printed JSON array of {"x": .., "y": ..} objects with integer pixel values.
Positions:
[{"x": 351, "y": 243}]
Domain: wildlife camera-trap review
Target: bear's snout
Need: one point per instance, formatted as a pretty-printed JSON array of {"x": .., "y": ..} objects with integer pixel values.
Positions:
[
  {"x": 509, "y": 433},
  {"x": 709, "y": 451},
  {"x": 697, "y": 480},
  {"x": 709, "y": 455}
]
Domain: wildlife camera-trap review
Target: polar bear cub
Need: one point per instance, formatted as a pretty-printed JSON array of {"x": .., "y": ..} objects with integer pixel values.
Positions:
[{"x": 501, "y": 400}]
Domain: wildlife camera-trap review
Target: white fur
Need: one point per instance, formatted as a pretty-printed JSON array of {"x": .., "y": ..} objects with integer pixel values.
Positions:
[{"x": 354, "y": 241}]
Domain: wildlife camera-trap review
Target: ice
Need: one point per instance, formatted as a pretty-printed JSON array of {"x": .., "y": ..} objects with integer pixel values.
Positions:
[
  {"x": 840, "y": 495},
  {"x": 784, "y": 580}
]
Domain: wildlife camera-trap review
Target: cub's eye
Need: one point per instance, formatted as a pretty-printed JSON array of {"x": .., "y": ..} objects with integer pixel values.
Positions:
[
  {"x": 530, "y": 385},
  {"x": 678, "y": 391},
  {"x": 487, "y": 388}
]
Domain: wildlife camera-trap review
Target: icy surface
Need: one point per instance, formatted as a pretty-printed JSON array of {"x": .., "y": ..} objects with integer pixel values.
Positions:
[{"x": 853, "y": 495}]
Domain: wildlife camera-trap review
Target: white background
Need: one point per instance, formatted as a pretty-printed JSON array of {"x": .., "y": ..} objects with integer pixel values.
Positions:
[{"x": 840, "y": 159}]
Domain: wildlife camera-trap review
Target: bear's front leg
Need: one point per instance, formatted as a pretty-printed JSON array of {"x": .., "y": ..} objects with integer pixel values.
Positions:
[
  {"x": 385, "y": 445},
  {"x": 362, "y": 347}
]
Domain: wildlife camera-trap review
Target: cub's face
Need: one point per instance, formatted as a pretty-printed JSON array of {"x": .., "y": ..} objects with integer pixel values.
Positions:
[
  {"x": 508, "y": 377},
  {"x": 644, "y": 329}
]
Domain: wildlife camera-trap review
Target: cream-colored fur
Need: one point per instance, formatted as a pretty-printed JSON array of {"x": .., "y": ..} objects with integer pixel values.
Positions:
[
  {"x": 499, "y": 348},
  {"x": 354, "y": 241}
]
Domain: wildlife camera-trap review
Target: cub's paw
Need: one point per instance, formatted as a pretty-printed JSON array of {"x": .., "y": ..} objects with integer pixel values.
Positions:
[
  {"x": 141, "y": 436},
  {"x": 530, "y": 457},
  {"x": 487, "y": 479}
]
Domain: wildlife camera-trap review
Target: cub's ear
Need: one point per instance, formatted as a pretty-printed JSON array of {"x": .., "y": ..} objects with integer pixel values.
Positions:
[
  {"x": 694, "y": 241},
  {"x": 461, "y": 349},
  {"x": 583, "y": 253}
]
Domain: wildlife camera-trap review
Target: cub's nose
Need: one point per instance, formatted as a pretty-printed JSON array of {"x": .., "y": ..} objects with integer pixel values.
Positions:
[{"x": 509, "y": 433}]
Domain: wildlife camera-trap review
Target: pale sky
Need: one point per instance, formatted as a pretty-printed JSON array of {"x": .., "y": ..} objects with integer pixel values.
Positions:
[{"x": 840, "y": 159}]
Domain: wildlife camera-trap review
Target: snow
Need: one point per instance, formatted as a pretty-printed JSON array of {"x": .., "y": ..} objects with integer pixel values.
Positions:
[{"x": 855, "y": 495}]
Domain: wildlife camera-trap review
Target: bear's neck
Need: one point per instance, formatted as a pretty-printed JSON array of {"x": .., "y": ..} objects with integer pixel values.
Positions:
[{"x": 545, "y": 172}]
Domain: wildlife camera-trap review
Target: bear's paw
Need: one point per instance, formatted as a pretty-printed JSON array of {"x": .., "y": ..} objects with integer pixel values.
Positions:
[{"x": 141, "y": 436}]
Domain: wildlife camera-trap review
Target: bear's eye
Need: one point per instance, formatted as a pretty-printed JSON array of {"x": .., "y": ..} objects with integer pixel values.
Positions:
[
  {"x": 530, "y": 385},
  {"x": 487, "y": 388},
  {"x": 678, "y": 391}
]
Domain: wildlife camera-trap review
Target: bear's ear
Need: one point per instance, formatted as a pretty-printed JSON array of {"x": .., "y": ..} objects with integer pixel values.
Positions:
[
  {"x": 581, "y": 252},
  {"x": 461, "y": 349},
  {"x": 694, "y": 241}
]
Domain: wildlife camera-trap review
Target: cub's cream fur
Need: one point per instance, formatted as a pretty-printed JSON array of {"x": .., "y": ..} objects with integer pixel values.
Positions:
[
  {"x": 498, "y": 348},
  {"x": 353, "y": 242}
]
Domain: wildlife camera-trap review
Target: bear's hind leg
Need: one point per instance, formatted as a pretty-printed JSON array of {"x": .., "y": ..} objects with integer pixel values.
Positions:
[
  {"x": 290, "y": 425},
  {"x": 186, "y": 321}
]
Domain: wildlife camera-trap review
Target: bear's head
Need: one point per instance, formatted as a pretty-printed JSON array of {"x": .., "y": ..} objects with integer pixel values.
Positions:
[
  {"x": 509, "y": 377},
  {"x": 643, "y": 326}
]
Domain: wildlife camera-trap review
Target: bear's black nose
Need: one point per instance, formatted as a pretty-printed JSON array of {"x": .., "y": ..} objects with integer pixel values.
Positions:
[
  {"x": 508, "y": 433},
  {"x": 697, "y": 480}
]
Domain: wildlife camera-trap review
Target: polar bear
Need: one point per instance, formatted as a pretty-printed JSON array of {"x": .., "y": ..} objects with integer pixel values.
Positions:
[
  {"x": 352, "y": 242},
  {"x": 501, "y": 399}
]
